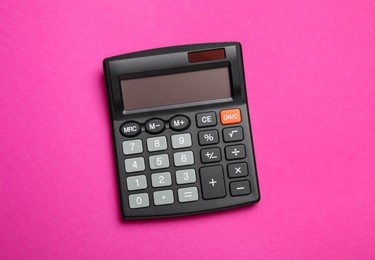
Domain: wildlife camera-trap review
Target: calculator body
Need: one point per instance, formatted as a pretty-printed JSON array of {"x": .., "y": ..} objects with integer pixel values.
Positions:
[{"x": 182, "y": 146}]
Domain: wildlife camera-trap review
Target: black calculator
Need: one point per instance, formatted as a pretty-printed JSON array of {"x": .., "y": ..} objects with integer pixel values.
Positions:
[{"x": 181, "y": 130}]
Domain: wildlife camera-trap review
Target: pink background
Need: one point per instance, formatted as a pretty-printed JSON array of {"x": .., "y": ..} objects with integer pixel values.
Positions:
[{"x": 310, "y": 72}]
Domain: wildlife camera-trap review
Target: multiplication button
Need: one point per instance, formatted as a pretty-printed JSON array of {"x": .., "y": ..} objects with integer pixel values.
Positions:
[{"x": 236, "y": 170}]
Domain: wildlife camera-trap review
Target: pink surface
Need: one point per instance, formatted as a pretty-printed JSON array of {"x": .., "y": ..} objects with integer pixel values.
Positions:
[{"x": 311, "y": 86}]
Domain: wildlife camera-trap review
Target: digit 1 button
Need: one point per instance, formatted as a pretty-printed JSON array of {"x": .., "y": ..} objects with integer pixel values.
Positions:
[
  {"x": 179, "y": 123},
  {"x": 130, "y": 129},
  {"x": 154, "y": 126}
]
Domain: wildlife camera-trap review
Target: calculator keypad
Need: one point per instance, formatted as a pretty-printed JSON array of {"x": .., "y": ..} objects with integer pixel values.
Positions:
[{"x": 166, "y": 172}]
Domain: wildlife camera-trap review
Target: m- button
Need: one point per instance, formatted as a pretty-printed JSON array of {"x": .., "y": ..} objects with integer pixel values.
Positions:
[
  {"x": 230, "y": 116},
  {"x": 206, "y": 119}
]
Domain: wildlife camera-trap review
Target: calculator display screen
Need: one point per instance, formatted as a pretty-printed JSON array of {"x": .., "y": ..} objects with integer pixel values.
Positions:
[{"x": 171, "y": 89}]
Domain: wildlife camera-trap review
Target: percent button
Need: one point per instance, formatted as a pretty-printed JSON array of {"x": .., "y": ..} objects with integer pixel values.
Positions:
[{"x": 208, "y": 137}]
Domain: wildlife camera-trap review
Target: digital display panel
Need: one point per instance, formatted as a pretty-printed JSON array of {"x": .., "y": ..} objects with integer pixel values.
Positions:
[{"x": 178, "y": 88}]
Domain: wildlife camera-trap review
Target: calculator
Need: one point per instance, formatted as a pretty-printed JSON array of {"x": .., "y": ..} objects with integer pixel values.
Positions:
[{"x": 181, "y": 130}]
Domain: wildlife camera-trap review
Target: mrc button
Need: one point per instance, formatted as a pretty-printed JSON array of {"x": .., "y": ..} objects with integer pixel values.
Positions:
[
  {"x": 206, "y": 119},
  {"x": 130, "y": 129},
  {"x": 230, "y": 116}
]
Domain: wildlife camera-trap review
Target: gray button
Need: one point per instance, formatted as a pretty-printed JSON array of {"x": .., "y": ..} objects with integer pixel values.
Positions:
[
  {"x": 157, "y": 144},
  {"x": 181, "y": 141},
  {"x": 183, "y": 158},
  {"x": 159, "y": 161},
  {"x": 139, "y": 201},
  {"x": 188, "y": 194},
  {"x": 163, "y": 197},
  {"x": 135, "y": 164},
  {"x": 186, "y": 176},
  {"x": 138, "y": 182},
  {"x": 132, "y": 147},
  {"x": 161, "y": 179}
]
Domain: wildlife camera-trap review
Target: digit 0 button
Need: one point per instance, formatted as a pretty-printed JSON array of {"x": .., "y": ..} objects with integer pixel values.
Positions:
[
  {"x": 130, "y": 129},
  {"x": 230, "y": 116}
]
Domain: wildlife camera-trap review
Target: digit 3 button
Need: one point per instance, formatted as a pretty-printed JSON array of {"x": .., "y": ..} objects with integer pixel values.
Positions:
[
  {"x": 155, "y": 125},
  {"x": 179, "y": 123}
]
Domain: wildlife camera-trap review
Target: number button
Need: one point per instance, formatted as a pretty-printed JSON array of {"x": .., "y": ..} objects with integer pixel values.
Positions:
[
  {"x": 208, "y": 137},
  {"x": 139, "y": 201},
  {"x": 181, "y": 141},
  {"x": 183, "y": 158},
  {"x": 132, "y": 147},
  {"x": 161, "y": 179},
  {"x": 157, "y": 144},
  {"x": 134, "y": 164},
  {"x": 179, "y": 123},
  {"x": 154, "y": 126},
  {"x": 136, "y": 182},
  {"x": 160, "y": 161},
  {"x": 186, "y": 176}
]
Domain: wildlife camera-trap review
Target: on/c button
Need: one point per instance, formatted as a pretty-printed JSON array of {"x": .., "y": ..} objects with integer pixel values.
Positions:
[{"x": 230, "y": 116}]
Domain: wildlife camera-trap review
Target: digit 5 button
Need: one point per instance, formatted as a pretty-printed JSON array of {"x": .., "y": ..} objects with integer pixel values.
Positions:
[{"x": 230, "y": 116}]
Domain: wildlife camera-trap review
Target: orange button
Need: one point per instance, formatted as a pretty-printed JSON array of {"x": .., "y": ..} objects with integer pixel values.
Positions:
[{"x": 230, "y": 116}]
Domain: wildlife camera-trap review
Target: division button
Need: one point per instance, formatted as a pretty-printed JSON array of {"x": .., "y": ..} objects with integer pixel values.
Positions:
[
  {"x": 239, "y": 188},
  {"x": 179, "y": 123},
  {"x": 208, "y": 137},
  {"x": 163, "y": 197},
  {"x": 236, "y": 170},
  {"x": 206, "y": 119},
  {"x": 235, "y": 152},
  {"x": 212, "y": 180},
  {"x": 139, "y": 201},
  {"x": 155, "y": 125},
  {"x": 188, "y": 194},
  {"x": 232, "y": 134},
  {"x": 230, "y": 116},
  {"x": 130, "y": 129},
  {"x": 210, "y": 155}
]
